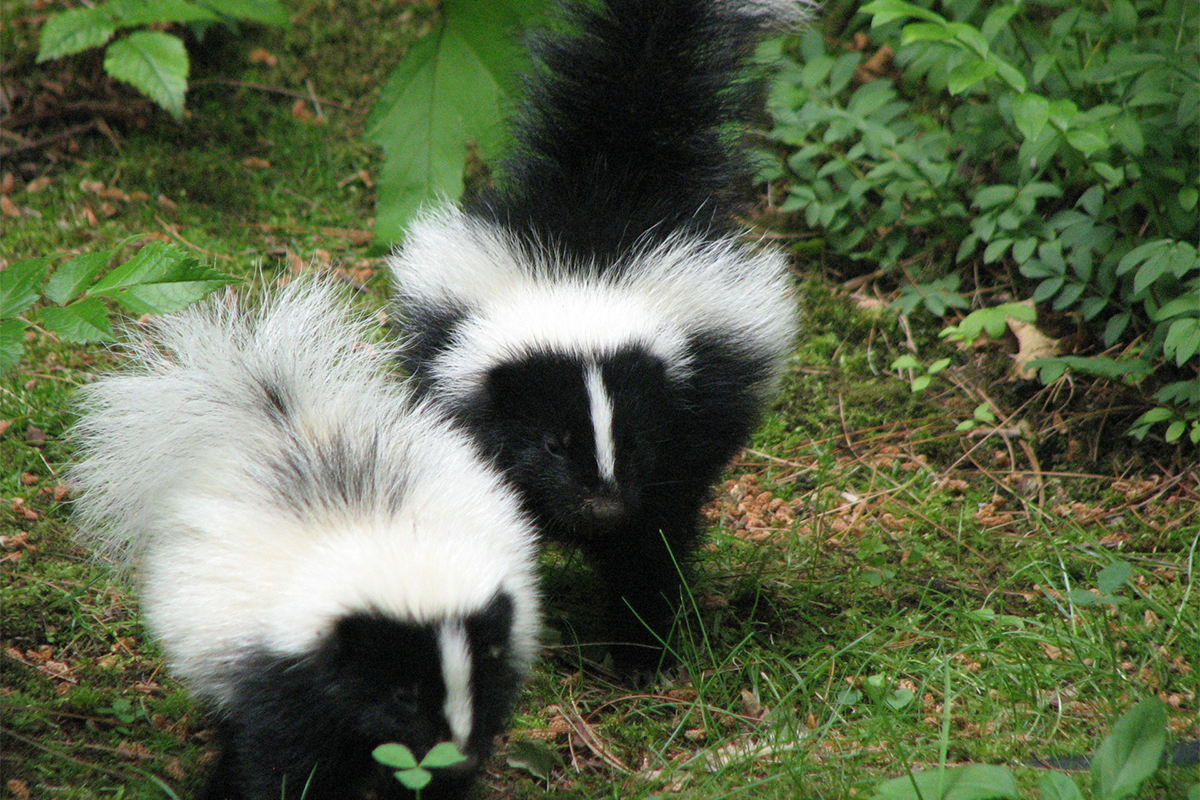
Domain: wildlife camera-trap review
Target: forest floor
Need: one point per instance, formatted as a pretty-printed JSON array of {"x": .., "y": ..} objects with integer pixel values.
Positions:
[{"x": 879, "y": 591}]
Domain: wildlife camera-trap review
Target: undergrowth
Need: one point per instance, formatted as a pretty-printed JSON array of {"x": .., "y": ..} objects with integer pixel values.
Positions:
[{"x": 878, "y": 592}]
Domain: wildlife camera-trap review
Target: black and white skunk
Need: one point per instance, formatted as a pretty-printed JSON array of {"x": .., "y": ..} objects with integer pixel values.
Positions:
[
  {"x": 327, "y": 564},
  {"x": 596, "y": 320}
]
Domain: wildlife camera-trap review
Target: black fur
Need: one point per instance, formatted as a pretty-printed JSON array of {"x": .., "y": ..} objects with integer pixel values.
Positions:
[
  {"x": 313, "y": 721},
  {"x": 627, "y": 140},
  {"x": 673, "y": 438},
  {"x": 624, "y": 135}
]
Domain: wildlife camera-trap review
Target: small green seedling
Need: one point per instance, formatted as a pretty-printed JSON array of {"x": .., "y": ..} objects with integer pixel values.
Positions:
[
  {"x": 920, "y": 382},
  {"x": 416, "y": 776}
]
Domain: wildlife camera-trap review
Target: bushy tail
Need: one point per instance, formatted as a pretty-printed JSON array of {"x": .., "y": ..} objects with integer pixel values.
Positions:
[
  {"x": 216, "y": 401},
  {"x": 625, "y": 132}
]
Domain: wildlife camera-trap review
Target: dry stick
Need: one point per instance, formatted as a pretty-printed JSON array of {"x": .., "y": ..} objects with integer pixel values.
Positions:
[
  {"x": 66, "y": 756},
  {"x": 588, "y": 736},
  {"x": 172, "y": 232},
  {"x": 275, "y": 89},
  {"x": 45, "y": 140}
]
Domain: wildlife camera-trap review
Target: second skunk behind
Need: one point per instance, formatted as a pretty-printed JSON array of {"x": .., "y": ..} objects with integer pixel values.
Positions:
[
  {"x": 329, "y": 566},
  {"x": 595, "y": 320}
]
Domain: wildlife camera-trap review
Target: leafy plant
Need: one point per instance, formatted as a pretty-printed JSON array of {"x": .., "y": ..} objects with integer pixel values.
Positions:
[
  {"x": 1124, "y": 760},
  {"x": 154, "y": 62},
  {"x": 1053, "y": 149},
  {"x": 448, "y": 92},
  {"x": 919, "y": 382},
  {"x": 161, "y": 278},
  {"x": 414, "y": 775}
]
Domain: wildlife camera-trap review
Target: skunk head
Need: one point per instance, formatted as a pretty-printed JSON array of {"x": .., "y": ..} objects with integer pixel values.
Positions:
[
  {"x": 375, "y": 679},
  {"x": 421, "y": 684},
  {"x": 579, "y": 436}
]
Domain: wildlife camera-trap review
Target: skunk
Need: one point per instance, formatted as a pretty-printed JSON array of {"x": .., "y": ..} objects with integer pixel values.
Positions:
[
  {"x": 328, "y": 564},
  {"x": 595, "y": 319}
]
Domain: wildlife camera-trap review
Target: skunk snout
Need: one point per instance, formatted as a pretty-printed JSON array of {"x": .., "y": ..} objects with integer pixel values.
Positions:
[{"x": 605, "y": 510}]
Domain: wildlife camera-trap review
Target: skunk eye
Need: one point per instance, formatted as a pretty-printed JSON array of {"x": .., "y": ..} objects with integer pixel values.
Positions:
[
  {"x": 556, "y": 444},
  {"x": 496, "y": 652}
]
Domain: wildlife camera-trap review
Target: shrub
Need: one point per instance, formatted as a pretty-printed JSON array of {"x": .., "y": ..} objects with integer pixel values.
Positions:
[{"x": 1051, "y": 149}]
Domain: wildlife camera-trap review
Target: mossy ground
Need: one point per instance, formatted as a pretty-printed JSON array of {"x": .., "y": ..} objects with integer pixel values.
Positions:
[{"x": 875, "y": 587}]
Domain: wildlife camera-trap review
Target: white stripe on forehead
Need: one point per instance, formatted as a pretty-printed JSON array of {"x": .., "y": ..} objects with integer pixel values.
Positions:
[
  {"x": 456, "y": 675},
  {"x": 567, "y": 317},
  {"x": 601, "y": 412}
]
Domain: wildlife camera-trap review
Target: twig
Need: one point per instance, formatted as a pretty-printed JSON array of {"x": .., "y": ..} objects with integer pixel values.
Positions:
[
  {"x": 172, "y": 232},
  {"x": 276, "y": 90},
  {"x": 45, "y": 140}
]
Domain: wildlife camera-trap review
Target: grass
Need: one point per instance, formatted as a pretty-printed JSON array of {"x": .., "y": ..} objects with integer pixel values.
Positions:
[{"x": 877, "y": 593}]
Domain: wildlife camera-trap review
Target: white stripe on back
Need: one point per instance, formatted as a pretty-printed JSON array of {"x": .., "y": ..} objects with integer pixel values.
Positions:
[
  {"x": 602, "y": 416},
  {"x": 456, "y": 674}
]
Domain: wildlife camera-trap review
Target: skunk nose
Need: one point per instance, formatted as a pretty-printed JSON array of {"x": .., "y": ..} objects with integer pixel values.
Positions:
[{"x": 606, "y": 509}]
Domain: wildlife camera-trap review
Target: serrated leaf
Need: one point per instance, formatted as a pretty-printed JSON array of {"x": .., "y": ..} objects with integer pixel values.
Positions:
[
  {"x": 160, "y": 279},
  {"x": 974, "y": 782},
  {"x": 1114, "y": 576},
  {"x": 82, "y": 322},
  {"x": 266, "y": 12},
  {"x": 1131, "y": 753},
  {"x": 12, "y": 343},
  {"x": 443, "y": 754},
  {"x": 1082, "y": 597},
  {"x": 449, "y": 89},
  {"x": 393, "y": 754},
  {"x": 534, "y": 757},
  {"x": 73, "y": 31},
  {"x": 68, "y": 281},
  {"x": 20, "y": 284},
  {"x": 154, "y": 63}
]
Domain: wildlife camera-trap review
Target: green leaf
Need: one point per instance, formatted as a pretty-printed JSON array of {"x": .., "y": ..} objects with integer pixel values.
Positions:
[
  {"x": 1088, "y": 139},
  {"x": 160, "y": 279},
  {"x": 393, "y": 754},
  {"x": 1131, "y": 753},
  {"x": 443, "y": 754},
  {"x": 884, "y": 11},
  {"x": 82, "y": 322},
  {"x": 72, "y": 32},
  {"x": 449, "y": 89},
  {"x": 154, "y": 63},
  {"x": 974, "y": 782},
  {"x": 130, "y": 13},
  {"x": 534, "y": 757},
  {"x": 415, "y": 778},
  {"x": 971, "y": 71},
  {"x": 12, "y": 343},
  {"x": 20, "y": 284},
  {"x": 266, "y": 12},
  {"x": 1174, "y": 431},
  {"x": 906, "y": 361},
  {"x": 1031, "y": 112},
  {"x": 924, "y": 32},
  {"x": 1114, "y": 576},
  {"x": 69, "y": 280},
  {"x": 1183, "y": 340}
]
